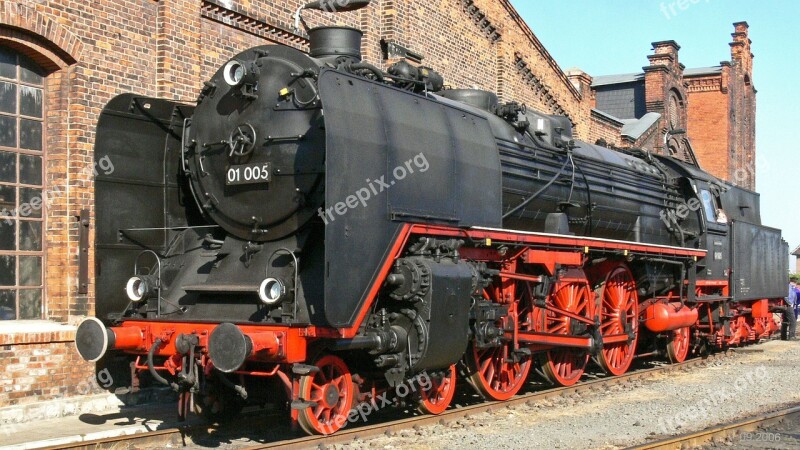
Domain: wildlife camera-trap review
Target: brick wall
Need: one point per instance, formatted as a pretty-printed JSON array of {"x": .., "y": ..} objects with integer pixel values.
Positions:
[
  {"x": 722, "y": 111},
  {"x": 605, "y": 129},
  {"x": 709, "y": 126},
  {"x": 41, "y": 366}
]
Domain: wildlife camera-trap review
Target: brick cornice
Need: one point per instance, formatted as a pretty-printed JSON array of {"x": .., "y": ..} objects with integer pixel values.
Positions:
[
  {"x": 658, "y": 68},
  {"x": 63, "y": 47},
  {"x": 537, "y": 85},
  {"x": 236, "y": 16},
  {"x": 490, "y": 30}
]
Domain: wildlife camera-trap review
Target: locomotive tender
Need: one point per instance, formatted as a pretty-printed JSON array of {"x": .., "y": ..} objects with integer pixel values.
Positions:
[{"x": 316, "y": 231}]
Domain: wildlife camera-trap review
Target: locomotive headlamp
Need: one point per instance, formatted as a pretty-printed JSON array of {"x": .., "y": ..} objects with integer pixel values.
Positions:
[
  {"x": 141, "y": 288},
  {"x": 238, "y": 73},
  {"x": 234, "y": 72},
  {"x": 271, "y": 291}
]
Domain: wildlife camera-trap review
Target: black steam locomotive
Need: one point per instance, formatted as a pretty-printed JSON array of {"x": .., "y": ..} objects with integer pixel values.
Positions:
[{"x": 317, "y": 231}]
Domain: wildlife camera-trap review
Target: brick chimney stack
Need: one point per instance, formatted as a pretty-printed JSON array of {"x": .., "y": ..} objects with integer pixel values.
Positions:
[
  {"x": 581, "y": 80},
  {"x": 665, "y": 92},
  {"x": 740, "y": 47}
]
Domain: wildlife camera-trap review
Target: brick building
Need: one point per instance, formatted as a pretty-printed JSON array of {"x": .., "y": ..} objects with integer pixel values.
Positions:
[
  {"x": 714, "y": 107},
  {"x": 61, "y": 61}
]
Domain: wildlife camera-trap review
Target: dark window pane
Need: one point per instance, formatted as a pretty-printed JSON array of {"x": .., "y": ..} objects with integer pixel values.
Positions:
[
  {"x": 30, "y": 236},
  {"x": 30, "y": 202},
  {"x": 8, "y": 167},
  {"x": 8, "y": 234},
  {"x": 30, "y": 134},
  {"x": 30, "y": 304},
  {"x": 8, "y": 63},
  {"x": 30, "y": 169},
  {"x": 30, "y": 101},
  {"x": 30, "y": 270},
  {"x": 29, "y": 72},
  {"x": 8, "y": 97},
  {"x": 8, "y": 200},
  {"x": 8, "y": 131},
  {"x": 8, "y": 270},
  {"x": 8, "y": 304}
]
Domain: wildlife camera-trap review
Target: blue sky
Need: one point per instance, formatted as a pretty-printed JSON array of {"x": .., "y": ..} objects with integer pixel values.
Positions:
[{"x": 614, "y": 36}]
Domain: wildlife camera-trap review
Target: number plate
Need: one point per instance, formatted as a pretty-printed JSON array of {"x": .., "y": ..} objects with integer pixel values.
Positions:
[{"x": 248, "y": 174}]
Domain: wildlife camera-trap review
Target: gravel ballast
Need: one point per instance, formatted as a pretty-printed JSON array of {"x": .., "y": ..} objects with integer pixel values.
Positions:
[{"x": 752, "y": 380}]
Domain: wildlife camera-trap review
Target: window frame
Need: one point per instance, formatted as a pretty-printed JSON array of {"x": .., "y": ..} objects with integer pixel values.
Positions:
[{"x": 20, "y": 62}]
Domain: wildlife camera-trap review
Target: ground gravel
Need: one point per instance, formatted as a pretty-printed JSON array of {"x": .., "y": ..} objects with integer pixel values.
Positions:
[{"x": 751, "y": 381}]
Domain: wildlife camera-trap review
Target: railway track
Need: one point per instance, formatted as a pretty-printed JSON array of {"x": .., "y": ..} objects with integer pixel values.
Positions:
[
  {"x": 752, "y": 428},
  {"x": 182, "y": 436}
]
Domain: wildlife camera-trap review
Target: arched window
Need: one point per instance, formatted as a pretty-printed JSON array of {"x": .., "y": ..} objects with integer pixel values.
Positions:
[
  {"x": 674, "y": 110},
  {"x": 22, "y": 197}
]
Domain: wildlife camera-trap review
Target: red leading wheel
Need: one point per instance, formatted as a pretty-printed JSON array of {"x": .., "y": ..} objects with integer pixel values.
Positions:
[
  {"x": 619, "y": 315},
  {"x": 565, "y": 366},
  {"x": 331, "y": 388},
  {"x": 678, "y": 346},
  {"x": 436, "y": 399}
]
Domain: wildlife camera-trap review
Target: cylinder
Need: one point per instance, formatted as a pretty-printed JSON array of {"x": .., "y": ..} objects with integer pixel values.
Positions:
[{"x": 661, "y": 317}]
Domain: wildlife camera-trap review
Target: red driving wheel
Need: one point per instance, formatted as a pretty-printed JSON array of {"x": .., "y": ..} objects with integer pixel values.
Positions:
[
  {"x": 619, "y": 315},
  {"x": 565, "y": 366}
]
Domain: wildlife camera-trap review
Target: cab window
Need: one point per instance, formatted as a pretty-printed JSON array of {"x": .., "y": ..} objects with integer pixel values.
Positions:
[{"x": 708, "y": 205}]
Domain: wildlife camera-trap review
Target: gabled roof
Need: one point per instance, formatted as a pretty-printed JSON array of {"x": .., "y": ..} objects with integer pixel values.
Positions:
[
  {"x": 634, "y": 129},
  {"x": 623, "y": 78},
  {"x": 605, "y": 80},
  {"x": 796, "y": 251}
]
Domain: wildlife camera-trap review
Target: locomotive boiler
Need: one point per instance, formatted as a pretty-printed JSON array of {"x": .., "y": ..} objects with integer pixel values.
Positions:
[{"x": 337, "y": 229}]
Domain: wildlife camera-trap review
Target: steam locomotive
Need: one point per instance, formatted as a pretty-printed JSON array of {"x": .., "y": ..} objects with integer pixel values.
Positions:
[{"x": 316, "y": 231}]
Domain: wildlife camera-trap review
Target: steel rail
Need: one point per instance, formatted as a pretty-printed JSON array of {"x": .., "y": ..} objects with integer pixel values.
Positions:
[
  {"x": 364, "y": 432},
  {"x": 183, "y": 435},
  {"x": 708, "y": 435}
]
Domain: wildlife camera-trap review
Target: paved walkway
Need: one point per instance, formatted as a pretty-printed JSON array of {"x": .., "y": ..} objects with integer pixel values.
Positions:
[{"x": 85, "y": 427}]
